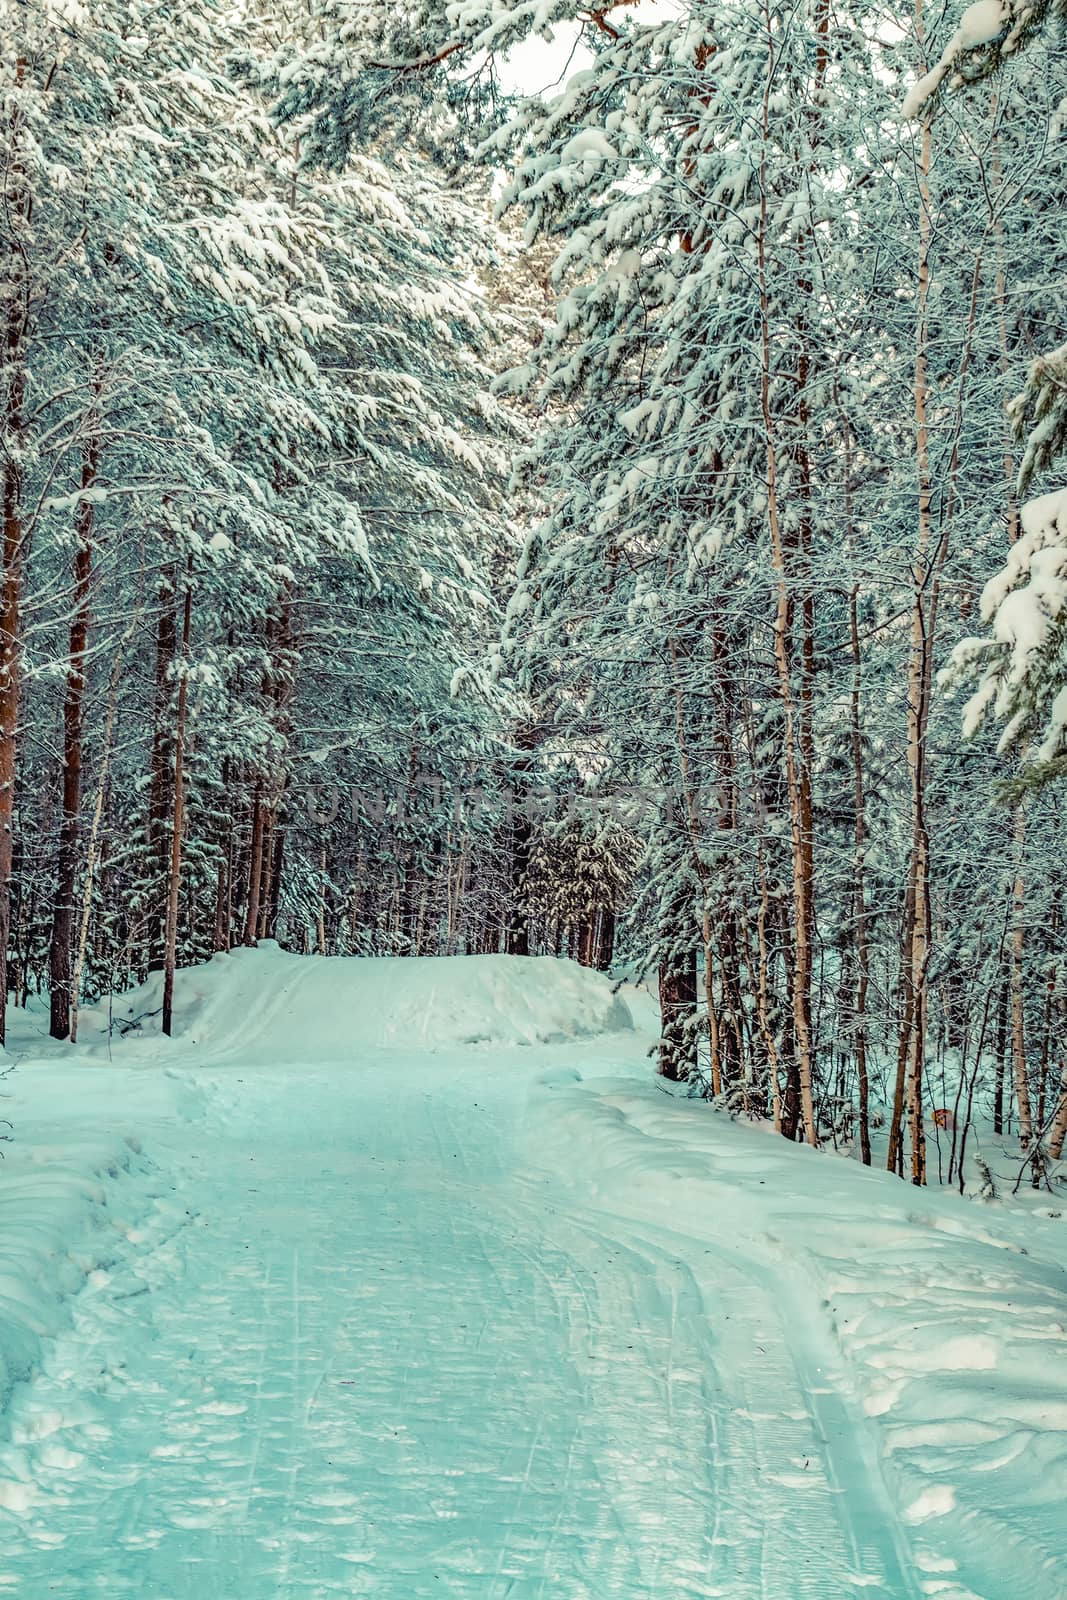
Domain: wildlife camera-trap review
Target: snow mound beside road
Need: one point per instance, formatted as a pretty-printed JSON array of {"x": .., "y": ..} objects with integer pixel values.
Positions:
[
  {"x": 74, "y": 1189},
  {"x": 274, "y": 1007}
]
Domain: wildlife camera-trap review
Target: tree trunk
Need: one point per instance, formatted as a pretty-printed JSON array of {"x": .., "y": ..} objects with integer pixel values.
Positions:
[
  {"x": 1018, "y": 997},
  {"x": 605, "y": 942},
  {"x": 859, "y": 890},
  {"x": 162, "y": 777},
  {"x": 586, "y": 940},
  {"x": 517, "y": 942},
  {"x": 796, "y": 735},
  {"x": 1058, "y": 1129},
  {"x": 677, "y": 1006},
  {"x": 320, "y": 923},
  {"x": 16, "y": 203},
  {"x": 61, "y": 952},
  {"x": 255, "y": 869},
  {"x": 170, "y": 956},
  {"x": 94, "y": 831},
  {"x": 916, "y": 946},
  {"x": 221, "y": 940},
  {"x": 266, "y": 873},
  {"x": 998, "y": 1066},
  {"x": 274, "y": 895}
]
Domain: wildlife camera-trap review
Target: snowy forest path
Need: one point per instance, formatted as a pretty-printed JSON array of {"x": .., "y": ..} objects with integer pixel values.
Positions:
[{"x": 387, "y": 1356}]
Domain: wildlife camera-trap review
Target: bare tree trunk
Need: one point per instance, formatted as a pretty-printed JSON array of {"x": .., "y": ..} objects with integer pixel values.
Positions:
[
  {"x": 60, "y": 953},
  {"x": 170, "y": 956},
  {"x": 859, "y": 890},
  {"x": 266, "y": 874},
  {"x": 94, "y": 834},
  {"x": 677, "y": 1005},
  {"x": 320, "y": 923},
  {"x": 274, "y": 896},
  {"x": 255, "y": 869},
  {"x": 221, "y": 940},
  {"x": 1018, "y": 997},
  {"x": 1058, "y": 1043},
  {"x": 1058, "y": 1129},
  {"x": 605, "y": 942},
  {"x": 16, "y": 201},
  {"x": 1002, "y": 1042},
  {"x": 916, "y": 947},
  {"x": 162, "y": 777},
  {"x": 694, "y": 827},
  {"x": 518, "y": 930},
  {"x": 927, "y": 570},
  {"x": 895, "y": 1156},
  {"x": 800, "y": 819}
]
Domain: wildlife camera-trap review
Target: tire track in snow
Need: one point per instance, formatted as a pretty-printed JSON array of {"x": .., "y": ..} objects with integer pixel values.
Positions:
[
  {"x": 398, "y": 1367},
  {"x": 875, "y": 1539}
]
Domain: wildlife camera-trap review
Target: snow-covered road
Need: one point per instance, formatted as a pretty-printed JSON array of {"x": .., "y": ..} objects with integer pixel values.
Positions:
[
  {"x": 378, "y": 1334},
  {"x": 385, "y": 1359}
]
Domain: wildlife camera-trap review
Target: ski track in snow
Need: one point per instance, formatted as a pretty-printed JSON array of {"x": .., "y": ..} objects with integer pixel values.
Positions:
[{"x": 386, "y": 1355}]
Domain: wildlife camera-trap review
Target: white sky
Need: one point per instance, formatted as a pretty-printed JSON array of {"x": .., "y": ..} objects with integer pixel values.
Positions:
[{"x": 537, "y": 66}]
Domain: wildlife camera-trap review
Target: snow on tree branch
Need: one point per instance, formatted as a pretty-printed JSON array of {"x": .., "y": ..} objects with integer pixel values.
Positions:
[
  {"x": 988, "y": 34},
  {"x": 1024, "y": 682}
]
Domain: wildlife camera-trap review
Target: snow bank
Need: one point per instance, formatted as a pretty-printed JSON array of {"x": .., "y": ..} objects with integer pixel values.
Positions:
[
  {"x": 277, "y": 1008},
  {"x": 946, "y": 1322},
  {"x": 73, "y": 1185}
]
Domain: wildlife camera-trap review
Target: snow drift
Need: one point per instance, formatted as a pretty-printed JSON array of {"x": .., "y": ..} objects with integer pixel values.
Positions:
[{"x": 271, "y": 1006}]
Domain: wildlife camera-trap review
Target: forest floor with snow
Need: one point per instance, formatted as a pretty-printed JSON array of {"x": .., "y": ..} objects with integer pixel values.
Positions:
[{"x": 409, "y": 1279}]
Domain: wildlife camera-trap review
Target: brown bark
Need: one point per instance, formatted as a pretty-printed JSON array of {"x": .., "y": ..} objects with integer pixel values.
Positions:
[
  {"x": 94, "y": 830},
  {"x": 895, "y": 1155},
  {"x": 916, "y": 947},
  {"x": 859, "y": 891},
  {"x": 277, "y": 860},
  {"x": 16, "y": 201},
  {"x": 605, "y": 940},
  {"x": 796, "y": 737},
  {"x": 517, "y": 942},
  {"x": 1001, "y": 1051},
  {"x": 586, "y": 940},
  {"x": 694, "y": 829},
  {"x": 1057, "y": 1136},
  {"x": 221, "y": 940},
  {"x": 61, "y": 953},
  {"x": 159, "y": 793},
  {"x": 677, "y": 1005},
  {"x": 170, "y": 953},
  {"x": 1018, "y": 996},
  {"x": 927, "y": 571},
  {"x": 255, "y": 868},
  {"x": 266, "y": 874},
  {"x": 320, "y": 925}
]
